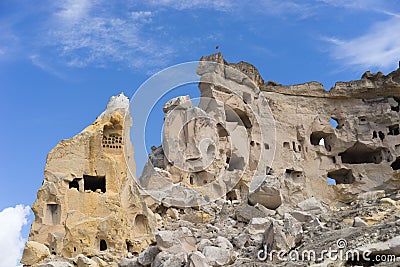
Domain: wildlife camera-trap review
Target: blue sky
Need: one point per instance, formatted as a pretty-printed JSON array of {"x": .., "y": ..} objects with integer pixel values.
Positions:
[{"x": 60, "y": 61}]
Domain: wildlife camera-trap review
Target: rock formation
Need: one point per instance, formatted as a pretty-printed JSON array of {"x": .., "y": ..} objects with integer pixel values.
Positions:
[
  {"x": 293, "y": 144},
  {"x": 89, "y": 203},
  {"x": 256, "y": 166}
]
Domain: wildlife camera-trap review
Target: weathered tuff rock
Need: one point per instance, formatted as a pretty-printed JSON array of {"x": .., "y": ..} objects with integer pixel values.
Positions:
[
  {"x": 89, "y": 203},
  {"x": 286, "y": 133},
  {"x": 253, "y": 176}
]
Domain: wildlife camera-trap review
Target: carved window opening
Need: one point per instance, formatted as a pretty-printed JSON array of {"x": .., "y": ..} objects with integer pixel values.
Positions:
[
  {"x": 53, "y": 214},
  {"x": 335, "y": 123},
  {"x": 141, "y": 224},
  {"x": 381, "y": 135},
  {"x": 239, "y": 116},
  {"x": 236, "y": 163},
  {"x": 396, "y": 164},
  {"x": 394, "y": 130},
  {"x": 321, "y": 139},
  {"x": 286, "y": 145},
  {"x": 129, "y": 246},
  {"x": 342, "y": 176},
  {"x": 222, "y": 132},
  {"x": 360, "y": 154},
  {"x": 94, "y": 183},
  {"x": 234, "y": 194},
  {"x": 396, "y": 107},
  {"x": 75, "y": 183},
  {"x": 103, "y": 245}
]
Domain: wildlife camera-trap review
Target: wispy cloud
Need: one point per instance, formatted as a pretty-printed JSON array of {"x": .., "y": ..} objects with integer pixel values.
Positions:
[
  {"x": 73, "y": 10},
  {"x": 379, "y": 47},
  {"x": 88, "y": 34},
  {"x": 39, "y": 62},
  {"x": 11, "y": 241},
  {"x": 222, "y": 5}
]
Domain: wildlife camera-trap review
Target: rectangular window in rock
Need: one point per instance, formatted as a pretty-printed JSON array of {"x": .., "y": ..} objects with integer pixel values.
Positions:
[
  {"x": 52, "y": 214},
  {"x": 76, "y": 183},
  {"x": 94, "y": 183}
]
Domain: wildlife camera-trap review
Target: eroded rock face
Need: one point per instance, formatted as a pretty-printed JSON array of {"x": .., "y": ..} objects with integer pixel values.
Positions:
[
  {"x": 246, "y": 169},
  {"x": 89, "y": 203},
  {"x": 349, "y": 134}
]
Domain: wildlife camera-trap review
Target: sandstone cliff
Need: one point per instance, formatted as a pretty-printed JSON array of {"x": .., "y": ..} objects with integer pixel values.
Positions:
[{"x": 257, "y": 164}]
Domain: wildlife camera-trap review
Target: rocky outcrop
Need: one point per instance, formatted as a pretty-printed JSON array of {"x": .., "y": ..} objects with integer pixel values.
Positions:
[
  {"x": 302, "y": 137},
  {"x": 89, "y": 203},
  {"x": 256, "y": 165}
]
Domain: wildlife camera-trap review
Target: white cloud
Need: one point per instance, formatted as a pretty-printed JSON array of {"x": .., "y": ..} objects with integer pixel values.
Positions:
[
  {"x": 73, "y": 10},
  {"x": 379, "y": 47},
  {"x": 222, "y": 5},
  {"x": 38, "y": 61},
  {"x": 11, "y": 241},
  {"x": 95, "y": 35}
]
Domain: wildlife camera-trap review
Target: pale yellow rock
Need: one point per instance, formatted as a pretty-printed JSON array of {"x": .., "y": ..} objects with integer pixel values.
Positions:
[
  {"x": 89, "y": 203},
  {"x": 34, "y": 252},
  {"x": 388, "y": 201}
]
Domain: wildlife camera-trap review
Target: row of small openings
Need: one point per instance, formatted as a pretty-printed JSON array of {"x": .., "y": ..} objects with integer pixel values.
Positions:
[
  {"x": 111, "y": 146},
  {"x": 296, "y": 148},
  {"x": 379, "y": 134},
  {"x": 92, "y": 183},
  {"x": 111, "y": 142},
  {"x": 109, "y": 137},
  {"x": 253, "y": 143}
]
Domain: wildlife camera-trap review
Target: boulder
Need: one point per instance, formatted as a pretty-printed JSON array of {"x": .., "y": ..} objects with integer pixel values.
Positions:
[
  {"x": 203, "y": 243},
  {"x": 313, "y": 206},
  {"x": 217, "y": 256},
  {"x": 175, "y": 260},
  {"x": 83, "y": 261},
  {"x": 196, "y": 259},
  {"x": 302, "y": 216},
  {"x": 34, "y": 252},
  {"x": 244, "y": 213},
  {"x": 257, "y": 226},
  {"x": 223, "y": 242},
  {"x": 358, "y": 222},
  {"x": 265, "y": 191},
  {"x": 180, "y": 240},
  {"x": 391, "y": 246},
  {"x": 148, "y": 255},
  {"x": 55, "y": 264},
  {"x": 282, "y": 235},
  {"x": 371, "y": 195},
  {"x": 125, "y": 262}
]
